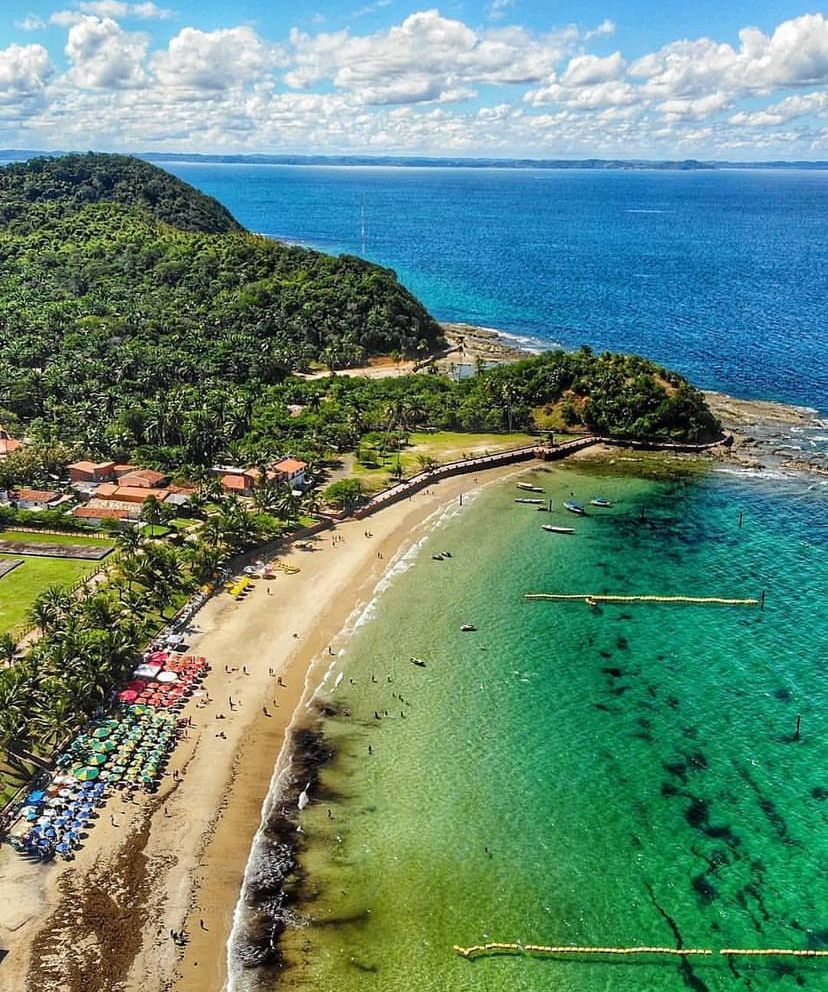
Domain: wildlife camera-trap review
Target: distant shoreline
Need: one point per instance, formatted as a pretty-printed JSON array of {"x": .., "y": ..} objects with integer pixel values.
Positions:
[{"x": 428, "y": 162}]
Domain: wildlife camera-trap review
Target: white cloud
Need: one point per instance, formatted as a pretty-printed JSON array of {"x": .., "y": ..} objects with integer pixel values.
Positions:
[
  {"x": 792, "y": 107},
  {"x": 496, "y": 10},
  {"x": 683, "y": 109},
  {"x": 117, "y": 8},
  {"x": 25, "y": 71},
  {"x": 606, "y": 27},
  {"x": 587, "y": 70},
  {"x": 371, "y": 8},
  {"x": 215, "y": 60},
  {"x": 425, "y": 58},
  {"x": 796, "y": 54},
  {"x": 31, "y": 22},
  {"x": 104, "y": 56}
]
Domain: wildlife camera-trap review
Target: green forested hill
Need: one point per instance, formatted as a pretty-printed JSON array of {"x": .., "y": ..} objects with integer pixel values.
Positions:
[
  {"x": 108, "y": 304},
  {"x": 32, "y": 192}
]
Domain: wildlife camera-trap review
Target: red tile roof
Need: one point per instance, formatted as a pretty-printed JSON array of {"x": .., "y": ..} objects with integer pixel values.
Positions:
[
  {"x": 8, "y": 445},
  {"x": 144, "y": 478},
  {"x": 290, "y": 465},
  {"x": 100, "y": 512},
  {"x": 36, "y": 495},
  {"x": 234, "y": 482}
]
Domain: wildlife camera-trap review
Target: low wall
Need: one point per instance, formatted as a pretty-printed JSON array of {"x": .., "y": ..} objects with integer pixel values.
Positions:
[{"x": 527, "y": 453}]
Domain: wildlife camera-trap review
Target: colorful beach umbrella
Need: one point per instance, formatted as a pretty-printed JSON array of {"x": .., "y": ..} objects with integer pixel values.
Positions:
[
  {"x": 105, "y": 747},
  {"x": 97, "y": 760},
  {"x": 87, "y": 774},
  {"x": 102, "y": 733}
]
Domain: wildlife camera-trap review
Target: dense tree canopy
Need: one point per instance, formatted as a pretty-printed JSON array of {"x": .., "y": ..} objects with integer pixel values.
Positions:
[
  {"x": 108, "y": 310},
  {"x": 68, "y": 183}
]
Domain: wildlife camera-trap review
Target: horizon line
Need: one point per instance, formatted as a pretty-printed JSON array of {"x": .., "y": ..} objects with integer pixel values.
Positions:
[{"x": 299, "y": 158}]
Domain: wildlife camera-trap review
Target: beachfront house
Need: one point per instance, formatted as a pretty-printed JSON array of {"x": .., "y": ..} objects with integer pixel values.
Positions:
[
  {"x": 97, "y": 514},
  {"x": 237, "y": 481},
  {"x": 129, "y": 494},
  {"x": 87, "y": 473},
  {"x": 35, "y": 499},
  {"x": 141, "y": 478},
  {"x": 291, "y": 471}
]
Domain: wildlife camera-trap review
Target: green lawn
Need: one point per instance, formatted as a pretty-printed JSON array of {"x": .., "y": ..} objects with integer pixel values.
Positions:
[
  {"x": 445, "y": 446},
  {"x": 184, "y": 523},
  {"x": 21, "y": 587},
  {"x": 34, "y": 538}
]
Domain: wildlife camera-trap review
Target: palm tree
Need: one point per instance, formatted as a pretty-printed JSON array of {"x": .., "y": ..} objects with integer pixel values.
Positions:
[
  {"x": 129, "y": 540},
  {"x": 8, "y": 649}
]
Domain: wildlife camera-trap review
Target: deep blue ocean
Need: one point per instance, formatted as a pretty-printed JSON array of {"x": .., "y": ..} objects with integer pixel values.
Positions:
[{"x": 722, "y": 275}]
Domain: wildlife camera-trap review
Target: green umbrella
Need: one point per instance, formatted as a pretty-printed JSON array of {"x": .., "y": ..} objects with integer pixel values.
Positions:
[
  {"x": 97, "y": 759},
  {"x": 86, "y": 774},
  {"x": 105, "y": 747},
  {"x": 101, "y": 733}
]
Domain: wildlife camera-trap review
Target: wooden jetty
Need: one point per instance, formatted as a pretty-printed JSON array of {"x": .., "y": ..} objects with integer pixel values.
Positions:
[{"x": 590, "y": 598}]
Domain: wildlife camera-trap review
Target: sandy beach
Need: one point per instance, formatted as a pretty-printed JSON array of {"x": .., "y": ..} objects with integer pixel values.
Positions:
[{"x": 175, "y": 860}]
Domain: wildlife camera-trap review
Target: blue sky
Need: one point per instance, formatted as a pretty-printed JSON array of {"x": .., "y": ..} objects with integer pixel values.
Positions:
[{"x": 502, "y": 78}]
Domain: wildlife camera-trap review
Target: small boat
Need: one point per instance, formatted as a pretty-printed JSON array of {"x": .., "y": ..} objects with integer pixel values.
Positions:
[
  {"x": 600, "y": 501},
  {"x": 418, "y": 662},
  {"x": 574, "y": 507},
  {"x": 557, "y": 530},
  {"x": 533, "y": 502},
  {"x": 437, "y": 558},
  {"x": 468, "y": 626},
  {"x": 528, "y": 488},
  {"x": 446, "y": 554}
]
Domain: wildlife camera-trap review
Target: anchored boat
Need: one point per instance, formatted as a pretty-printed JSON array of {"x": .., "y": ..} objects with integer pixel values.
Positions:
[
  {"x": 557, "y": 530},
  {"x": 532, "y": 501},
  {"x": 527, "y": 488},
  {"x": 574, "y": 507},
  {"x": 600, "y": 501}
]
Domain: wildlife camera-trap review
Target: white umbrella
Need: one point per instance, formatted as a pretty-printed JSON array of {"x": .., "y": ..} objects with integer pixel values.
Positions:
[
  {"x": 167, "y": 677},
  {"x": 146, "y": 671}
]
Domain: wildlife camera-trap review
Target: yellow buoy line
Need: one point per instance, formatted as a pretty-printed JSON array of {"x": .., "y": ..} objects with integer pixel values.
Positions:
[
  {"x": 500, "y": 948},
  {"x": 590, "y": 598},
  {"x": 479, "y": 950}
]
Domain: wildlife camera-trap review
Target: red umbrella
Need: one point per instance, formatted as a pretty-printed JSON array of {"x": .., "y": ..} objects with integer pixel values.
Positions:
[{"x": 128, "y": 696}]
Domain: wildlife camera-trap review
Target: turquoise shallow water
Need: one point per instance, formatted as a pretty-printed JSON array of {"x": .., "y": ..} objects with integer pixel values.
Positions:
[{"x": 619, "y": 776}]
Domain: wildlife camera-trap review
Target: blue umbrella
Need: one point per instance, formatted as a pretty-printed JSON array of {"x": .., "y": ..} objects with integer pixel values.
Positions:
[{"x": 36, "y": 797}]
